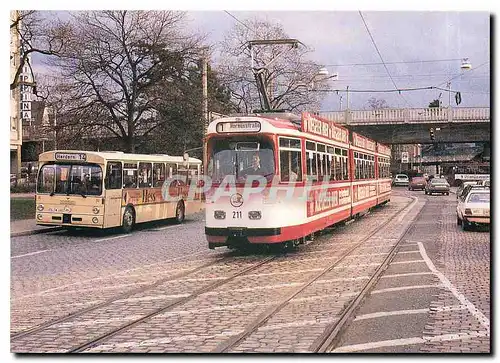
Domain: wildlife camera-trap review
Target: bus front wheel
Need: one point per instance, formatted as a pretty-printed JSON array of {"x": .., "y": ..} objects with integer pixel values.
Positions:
[
  {"x": 180, "y": 213},
  {"x": 128, "y": 220}
]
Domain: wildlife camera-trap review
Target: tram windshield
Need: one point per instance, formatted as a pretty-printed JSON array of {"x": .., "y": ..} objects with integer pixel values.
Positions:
[
  {"x": 81, "y": 179},
  {"x": 240, "y": 158}
]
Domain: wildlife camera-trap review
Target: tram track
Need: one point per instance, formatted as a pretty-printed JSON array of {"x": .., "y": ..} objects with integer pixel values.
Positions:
[
  {"x": 109, "y": 301},
  {"x": 331, "y": 332},
  {"x": 226, "y": 345}
]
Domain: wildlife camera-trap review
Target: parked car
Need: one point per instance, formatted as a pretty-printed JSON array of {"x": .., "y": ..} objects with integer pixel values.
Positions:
[
  {"x": 417, "y": 182},
  {"x": 401, "y": 179},
  {"x": 474, "y": 209},
  {"x": 437, "y": 185},
  {"x": 470, "y": 187},
  {"x": 462, "y": 187},
  {"x": 486, "y": 183}
]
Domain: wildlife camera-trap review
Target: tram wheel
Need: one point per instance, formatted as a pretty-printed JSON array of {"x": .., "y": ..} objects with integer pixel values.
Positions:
[
  {"x": 180, "y": 214},
  {"x": 128, "y": 220}
]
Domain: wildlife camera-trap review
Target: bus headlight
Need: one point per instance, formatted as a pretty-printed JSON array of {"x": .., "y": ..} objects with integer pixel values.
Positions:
[
  {"x": 40, "y": 207},
  {"x": 219, "y": 214},
  {"x": 95, "y": 210},
  {"x": 95, "y": 220},
  {"x": 39, "y": 217},
  {"x": 254, "y": 214}
]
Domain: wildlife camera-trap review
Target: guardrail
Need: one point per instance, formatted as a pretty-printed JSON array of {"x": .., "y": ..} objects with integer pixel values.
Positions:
[{"x": 409, "y": 115}]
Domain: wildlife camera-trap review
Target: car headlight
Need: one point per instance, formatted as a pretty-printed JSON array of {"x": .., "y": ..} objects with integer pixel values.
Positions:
[
  {"x": 40, "y": 207},
  {"x": 95, "y": 210}
]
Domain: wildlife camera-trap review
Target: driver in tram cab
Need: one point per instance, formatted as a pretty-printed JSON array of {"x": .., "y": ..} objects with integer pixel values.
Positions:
[{"x": 255, "y": 168}]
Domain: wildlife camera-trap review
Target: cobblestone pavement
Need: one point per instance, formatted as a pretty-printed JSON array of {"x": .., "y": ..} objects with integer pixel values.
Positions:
[
  {"x": 434, "y": 296},
  {"x": 100, "y": 269}
]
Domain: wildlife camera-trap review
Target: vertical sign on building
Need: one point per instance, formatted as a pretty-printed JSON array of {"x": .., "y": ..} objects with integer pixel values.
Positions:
[{"x": 26, "y": 81}]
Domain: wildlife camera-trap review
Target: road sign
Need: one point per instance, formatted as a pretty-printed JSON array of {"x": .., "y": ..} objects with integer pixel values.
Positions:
[{"x": 404, "y": 157}]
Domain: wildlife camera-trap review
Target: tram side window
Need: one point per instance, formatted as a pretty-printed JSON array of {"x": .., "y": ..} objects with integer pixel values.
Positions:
[
  {"x": 114, "y": 175},
  {"x": 291, "y": 166},
  {"x": 345, "y": 166},
  {"x": 312, "y": 173},
  {"x": 158, "y": 174}
]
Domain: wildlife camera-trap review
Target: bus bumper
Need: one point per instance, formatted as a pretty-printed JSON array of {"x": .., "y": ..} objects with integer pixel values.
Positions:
[{"x": 69, "y": 220}]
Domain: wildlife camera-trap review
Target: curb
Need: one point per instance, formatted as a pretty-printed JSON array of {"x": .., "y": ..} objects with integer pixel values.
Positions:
[{"x": 34, "y": 231}]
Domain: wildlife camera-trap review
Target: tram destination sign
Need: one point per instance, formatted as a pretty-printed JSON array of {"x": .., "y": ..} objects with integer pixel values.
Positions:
[
  {"x": 71, "y": 156},
  {"x": 325, "y": 128},
  {"x": 238, "y": 126}
]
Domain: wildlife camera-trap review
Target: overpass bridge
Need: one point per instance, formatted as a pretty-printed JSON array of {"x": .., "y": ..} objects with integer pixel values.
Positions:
[{"x": 412, "y": 125}]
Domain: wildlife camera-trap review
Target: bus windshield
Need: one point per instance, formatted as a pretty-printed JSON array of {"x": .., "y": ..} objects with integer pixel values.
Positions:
[
  {"x": 240, "y": 158},
  {"x": 82, "y": 179}
]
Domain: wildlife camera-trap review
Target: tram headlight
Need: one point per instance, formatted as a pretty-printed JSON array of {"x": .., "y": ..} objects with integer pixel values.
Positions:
[
  {"x": 254, "y": 214},
  {"x": 40, "y": 207},
  {"x": 219, "y": 214},
  {"x": 95, "y": 220},
  {"x": 95, "y": 210}
]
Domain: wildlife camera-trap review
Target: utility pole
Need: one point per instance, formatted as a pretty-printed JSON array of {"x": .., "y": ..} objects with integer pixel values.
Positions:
[
  {"x": 204, "y": 85},
  {"x": 347, "y": 97}
]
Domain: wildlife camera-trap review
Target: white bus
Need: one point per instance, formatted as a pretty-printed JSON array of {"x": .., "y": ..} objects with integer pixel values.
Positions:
[{"x": 112, "y": 189}]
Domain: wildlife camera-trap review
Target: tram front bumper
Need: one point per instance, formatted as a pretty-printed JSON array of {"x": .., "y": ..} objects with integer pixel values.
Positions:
[{"x": 234, "y": 235}]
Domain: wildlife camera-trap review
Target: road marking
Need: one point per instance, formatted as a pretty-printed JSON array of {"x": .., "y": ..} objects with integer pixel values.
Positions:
[
  {"x": 408, "y": 274},
  {"x": 410, "y": 207},
  {"x": 30, "y": 254},
  {"x": 163, "y": 228},
  {"x": 109, "y": 276},
  {"x": 408, "y": 341},
  {"x": 409, "y": 261},
  {"x": 110, "y": 238},
  {"x": 390, "y": 313},
  {"x": 163, "y": 341},
  {"x": 402, "y": 288},
  {"x": 483, "y": 320}
]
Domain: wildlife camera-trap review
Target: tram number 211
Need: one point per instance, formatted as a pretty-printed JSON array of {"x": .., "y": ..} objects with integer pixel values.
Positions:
[{"x": 237, "y": 214}]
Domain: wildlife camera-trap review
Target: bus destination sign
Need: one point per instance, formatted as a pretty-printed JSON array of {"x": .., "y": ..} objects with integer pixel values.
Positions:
[
  {"x": 71, "y": 156},
  {"x": 242, "y": 126}
]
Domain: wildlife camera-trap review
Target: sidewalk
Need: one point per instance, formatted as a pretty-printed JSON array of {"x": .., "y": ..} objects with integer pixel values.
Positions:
[
  {"x": 25, "y": 227},
  {"x": 22, "y": 195}
]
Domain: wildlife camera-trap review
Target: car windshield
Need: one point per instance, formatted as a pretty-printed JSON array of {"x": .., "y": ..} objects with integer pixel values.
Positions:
[
  {"x": 84, "y": 179},
  {"x": 401, "y": 177},
  {"x": 439, "y": 181},
  {"x": 240, "y": 158},
  {"x": 479, "y": 198}
]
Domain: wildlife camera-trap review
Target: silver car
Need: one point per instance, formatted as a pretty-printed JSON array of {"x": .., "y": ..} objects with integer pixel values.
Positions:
[{"x": 401, "y": 180}]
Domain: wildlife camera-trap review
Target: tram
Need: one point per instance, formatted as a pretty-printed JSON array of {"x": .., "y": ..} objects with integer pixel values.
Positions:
[{"x": 277, "y": 178}]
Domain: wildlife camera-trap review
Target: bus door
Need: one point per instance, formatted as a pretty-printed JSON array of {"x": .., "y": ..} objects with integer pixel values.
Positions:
[{"x": 113, "y": 195}]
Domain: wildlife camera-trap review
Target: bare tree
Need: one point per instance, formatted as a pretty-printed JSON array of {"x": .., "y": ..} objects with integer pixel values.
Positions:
[
  {"x": 36, "y": 35},
  {"x": 118, "y": 66},
  {"x": 375, "y": 103},
  {"x": 289, "y": 80}
]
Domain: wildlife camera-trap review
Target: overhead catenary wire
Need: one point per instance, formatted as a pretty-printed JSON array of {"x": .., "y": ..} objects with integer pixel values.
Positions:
[
  {"x": 239, "y": 21},
  {"x": 381, "y": 58}
]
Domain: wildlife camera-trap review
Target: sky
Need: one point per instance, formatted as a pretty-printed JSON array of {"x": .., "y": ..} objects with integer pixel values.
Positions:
[
  {"x": 425, "y": 48},
  {"x": 435, "y": 42}
]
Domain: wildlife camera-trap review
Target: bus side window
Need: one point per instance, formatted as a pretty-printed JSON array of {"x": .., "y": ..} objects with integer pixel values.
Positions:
[
  {"x": 158, "y": 174},
  {"x": 145, "y": 175},
  {"x": 130, "y": 178},
  {"x": 114, "y": 175}
]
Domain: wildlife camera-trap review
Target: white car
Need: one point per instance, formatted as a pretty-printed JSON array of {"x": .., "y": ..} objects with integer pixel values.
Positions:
[
  {"x": 401, "y": 179},
  {"x": 474, "y": 209}
]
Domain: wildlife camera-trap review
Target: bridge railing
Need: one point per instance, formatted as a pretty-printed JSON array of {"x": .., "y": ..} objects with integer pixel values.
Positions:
[{"x": 409, "y": 115}]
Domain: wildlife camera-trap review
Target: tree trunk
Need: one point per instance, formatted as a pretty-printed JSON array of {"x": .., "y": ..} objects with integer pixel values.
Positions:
[{"x": 129, "y": 144}]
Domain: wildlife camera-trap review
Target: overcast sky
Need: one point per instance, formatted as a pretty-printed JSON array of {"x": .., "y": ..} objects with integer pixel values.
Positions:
[
  {"x": 340, "y": 39},
  {"x": 430, "y": 44}
]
